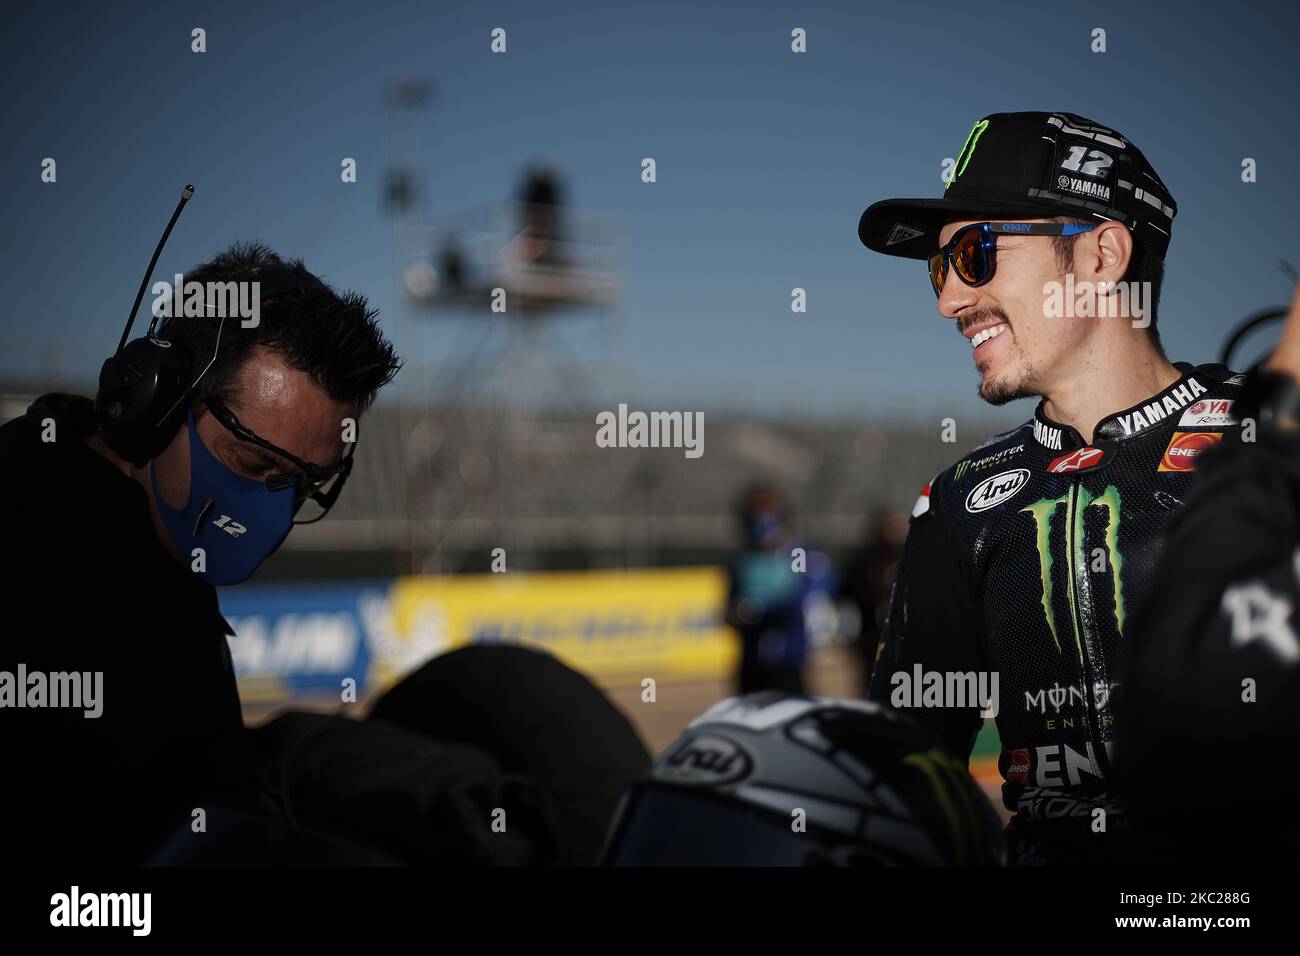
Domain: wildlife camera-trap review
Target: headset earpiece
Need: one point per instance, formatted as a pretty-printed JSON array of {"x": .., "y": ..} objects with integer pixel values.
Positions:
[{"x": 139, "y": 405}]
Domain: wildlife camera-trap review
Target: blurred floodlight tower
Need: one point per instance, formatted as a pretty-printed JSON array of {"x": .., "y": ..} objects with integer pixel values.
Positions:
[
  {"x": 509, "y": 273},
  {"x": 402, "y": 199},
  {"x": 405, "y": 98},
  {"x": 546, "y": 257}
]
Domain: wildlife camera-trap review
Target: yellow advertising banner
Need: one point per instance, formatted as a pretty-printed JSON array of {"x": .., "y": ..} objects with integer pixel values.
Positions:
[{"x": 618, "y": 627}]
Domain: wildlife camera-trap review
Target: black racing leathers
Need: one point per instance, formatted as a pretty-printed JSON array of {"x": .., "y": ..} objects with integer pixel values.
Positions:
[
  {"x": 1021, "y": 567},
  {"x": 1210, "y": 705}
]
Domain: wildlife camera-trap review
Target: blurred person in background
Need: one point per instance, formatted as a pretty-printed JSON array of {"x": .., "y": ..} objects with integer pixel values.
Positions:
[{"x": 769, "y": 588}]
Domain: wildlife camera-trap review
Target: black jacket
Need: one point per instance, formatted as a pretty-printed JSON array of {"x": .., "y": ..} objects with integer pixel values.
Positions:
[
  {"x": 89, "y": 588},
  {"x": 1025, "y": 560}
]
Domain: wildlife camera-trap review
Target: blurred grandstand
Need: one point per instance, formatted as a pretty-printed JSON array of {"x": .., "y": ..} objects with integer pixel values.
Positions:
[{"x": 561, "y": 503}]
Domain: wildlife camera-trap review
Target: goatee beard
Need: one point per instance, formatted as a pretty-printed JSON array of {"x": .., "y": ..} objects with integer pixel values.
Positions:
[
  {"x": 1000, "y": 392},
  {"x": 1005, "y": 389}
]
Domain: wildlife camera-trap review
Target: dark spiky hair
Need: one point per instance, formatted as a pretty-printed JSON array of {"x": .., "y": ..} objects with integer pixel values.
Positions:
[{"x": 331, "y": 336}]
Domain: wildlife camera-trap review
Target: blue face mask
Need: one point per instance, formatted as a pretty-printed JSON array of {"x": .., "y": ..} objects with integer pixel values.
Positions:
[{"x": 237, "y": 521}]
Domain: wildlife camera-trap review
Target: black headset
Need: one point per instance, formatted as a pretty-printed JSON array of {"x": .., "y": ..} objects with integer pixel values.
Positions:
[{"x": 147, "y": 385}]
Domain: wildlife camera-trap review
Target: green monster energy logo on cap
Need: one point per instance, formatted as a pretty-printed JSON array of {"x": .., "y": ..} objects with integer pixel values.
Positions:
[
  {"x": 967, "y": 150},
  {"x": 1042, "y": 512}
]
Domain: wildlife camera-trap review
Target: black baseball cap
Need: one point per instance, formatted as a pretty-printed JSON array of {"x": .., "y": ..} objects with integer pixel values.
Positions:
[{"x": 1031, "y": 165}]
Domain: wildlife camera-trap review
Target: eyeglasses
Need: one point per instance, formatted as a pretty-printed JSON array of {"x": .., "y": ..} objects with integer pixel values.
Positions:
[
  {"x": 315, "y": 490},
  {"x": 973, "y": 249}
]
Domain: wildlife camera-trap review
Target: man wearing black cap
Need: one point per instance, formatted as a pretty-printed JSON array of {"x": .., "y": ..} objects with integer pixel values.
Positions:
[{"x": 1024, "y": 558}]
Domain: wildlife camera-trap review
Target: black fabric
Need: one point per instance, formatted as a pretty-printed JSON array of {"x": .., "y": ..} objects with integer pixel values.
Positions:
[
  {"x": 538, "y": 718},
  {"x": 937, "y": 622},
  {"x": 424, "y": 802},
  {"x": 89, "y": 588},
  {"x": 241, "y": 836},
  {"x": 1028, "y": 562},
  {"x": 757, "y": 677},
  {"x": 1182, "y": 702}
]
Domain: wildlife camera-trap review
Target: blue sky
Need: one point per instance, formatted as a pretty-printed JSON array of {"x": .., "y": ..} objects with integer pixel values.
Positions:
[{"x": 765, "y": 161}]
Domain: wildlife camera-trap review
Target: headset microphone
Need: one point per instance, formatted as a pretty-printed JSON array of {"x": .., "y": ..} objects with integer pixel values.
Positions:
[
  {"x": 139, "y": 405},
  {"x": 186, "y": 195}
]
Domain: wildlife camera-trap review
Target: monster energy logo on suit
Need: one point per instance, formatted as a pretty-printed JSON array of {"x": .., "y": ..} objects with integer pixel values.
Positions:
[
  {"x": 1058, "y": 697},
  {"x": 1076, "y": 501},
  {"x": 997, "y": 458}
]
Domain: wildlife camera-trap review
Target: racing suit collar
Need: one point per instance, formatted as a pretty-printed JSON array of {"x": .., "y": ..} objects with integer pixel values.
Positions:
[{"x": 1125, "y": 424}]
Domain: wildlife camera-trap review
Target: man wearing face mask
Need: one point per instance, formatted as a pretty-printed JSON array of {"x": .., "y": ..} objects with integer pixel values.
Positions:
[
  {"x": 208, "y": 440},
  {"x": 117, "y": 533}
]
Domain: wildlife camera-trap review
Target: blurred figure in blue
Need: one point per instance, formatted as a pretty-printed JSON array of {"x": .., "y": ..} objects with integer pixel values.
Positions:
[{"x": 771, "y": 586}]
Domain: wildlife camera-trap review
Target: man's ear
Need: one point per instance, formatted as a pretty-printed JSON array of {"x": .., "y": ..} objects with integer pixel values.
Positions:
[{"x": 1104, "y": 254}]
